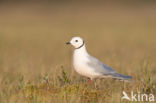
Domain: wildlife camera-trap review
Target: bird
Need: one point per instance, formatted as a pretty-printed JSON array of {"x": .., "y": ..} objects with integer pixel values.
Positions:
[{"x": 90, "y": 67}]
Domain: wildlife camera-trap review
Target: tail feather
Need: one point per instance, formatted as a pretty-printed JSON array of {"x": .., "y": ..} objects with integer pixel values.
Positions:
[{"x": 121, "y": 77}]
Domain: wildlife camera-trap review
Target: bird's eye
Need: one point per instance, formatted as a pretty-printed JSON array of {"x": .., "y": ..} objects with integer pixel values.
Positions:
[{"x": 76, "y": 40}]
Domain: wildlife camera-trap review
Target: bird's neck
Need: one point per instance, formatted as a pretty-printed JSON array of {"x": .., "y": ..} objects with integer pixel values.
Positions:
[{"x": 81, "y": 52}]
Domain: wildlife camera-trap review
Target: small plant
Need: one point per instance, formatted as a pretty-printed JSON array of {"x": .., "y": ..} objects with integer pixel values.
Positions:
[
  {"x": 46, "y": 78},
  {"x": 64, "y": 79},
  {"x": 21, "y": 83}
]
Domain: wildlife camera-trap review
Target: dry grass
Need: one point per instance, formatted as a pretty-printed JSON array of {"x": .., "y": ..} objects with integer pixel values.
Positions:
[{"x": 35, "y": 63}]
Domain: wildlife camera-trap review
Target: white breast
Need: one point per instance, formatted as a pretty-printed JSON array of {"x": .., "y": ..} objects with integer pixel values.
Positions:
[{"x": 80, "y": 64}]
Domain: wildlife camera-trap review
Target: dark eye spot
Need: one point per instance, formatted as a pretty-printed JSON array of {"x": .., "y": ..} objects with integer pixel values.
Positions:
[{"x": 76, "y": 40}]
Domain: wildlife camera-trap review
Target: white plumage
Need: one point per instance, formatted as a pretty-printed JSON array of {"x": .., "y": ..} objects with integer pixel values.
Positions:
[{"x": 88, "y": 66}]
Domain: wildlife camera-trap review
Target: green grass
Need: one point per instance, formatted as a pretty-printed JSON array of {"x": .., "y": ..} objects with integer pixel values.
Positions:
[{"x": 36, "y": 65}]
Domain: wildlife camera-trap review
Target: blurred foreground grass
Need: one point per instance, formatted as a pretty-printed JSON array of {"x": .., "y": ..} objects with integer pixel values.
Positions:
[{"x": 35, "y": 64}]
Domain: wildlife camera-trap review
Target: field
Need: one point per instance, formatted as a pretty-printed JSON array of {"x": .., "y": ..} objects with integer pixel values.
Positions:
[{"x": 36, "y": 65}]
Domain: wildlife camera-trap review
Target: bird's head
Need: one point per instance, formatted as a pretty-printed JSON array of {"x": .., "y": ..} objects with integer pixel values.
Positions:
[{"x": 77, "y": 42}]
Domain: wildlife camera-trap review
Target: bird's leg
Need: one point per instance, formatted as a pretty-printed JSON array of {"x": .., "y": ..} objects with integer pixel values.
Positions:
[
  {"x": 95, "y": 85},
  {"x": 89, "y": 81}
]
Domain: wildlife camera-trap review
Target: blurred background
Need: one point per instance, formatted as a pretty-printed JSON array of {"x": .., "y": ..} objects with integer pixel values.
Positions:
[
  {"x": 33, "y": 34},
  {"x": 33, "y": 53}
]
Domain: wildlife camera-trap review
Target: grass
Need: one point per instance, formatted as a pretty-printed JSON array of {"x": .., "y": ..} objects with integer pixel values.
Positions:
[{"x": 36, "y": 65}]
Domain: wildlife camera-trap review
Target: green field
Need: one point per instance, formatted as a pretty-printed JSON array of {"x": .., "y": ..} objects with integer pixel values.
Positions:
[{"x": 36, "y": 65}]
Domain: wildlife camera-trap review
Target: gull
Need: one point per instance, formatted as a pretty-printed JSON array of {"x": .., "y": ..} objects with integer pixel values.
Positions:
[{"x": 88, "y": 66}]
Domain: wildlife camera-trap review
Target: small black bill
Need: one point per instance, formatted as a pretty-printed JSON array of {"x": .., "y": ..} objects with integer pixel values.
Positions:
[{"x": 68, "y": 43}]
